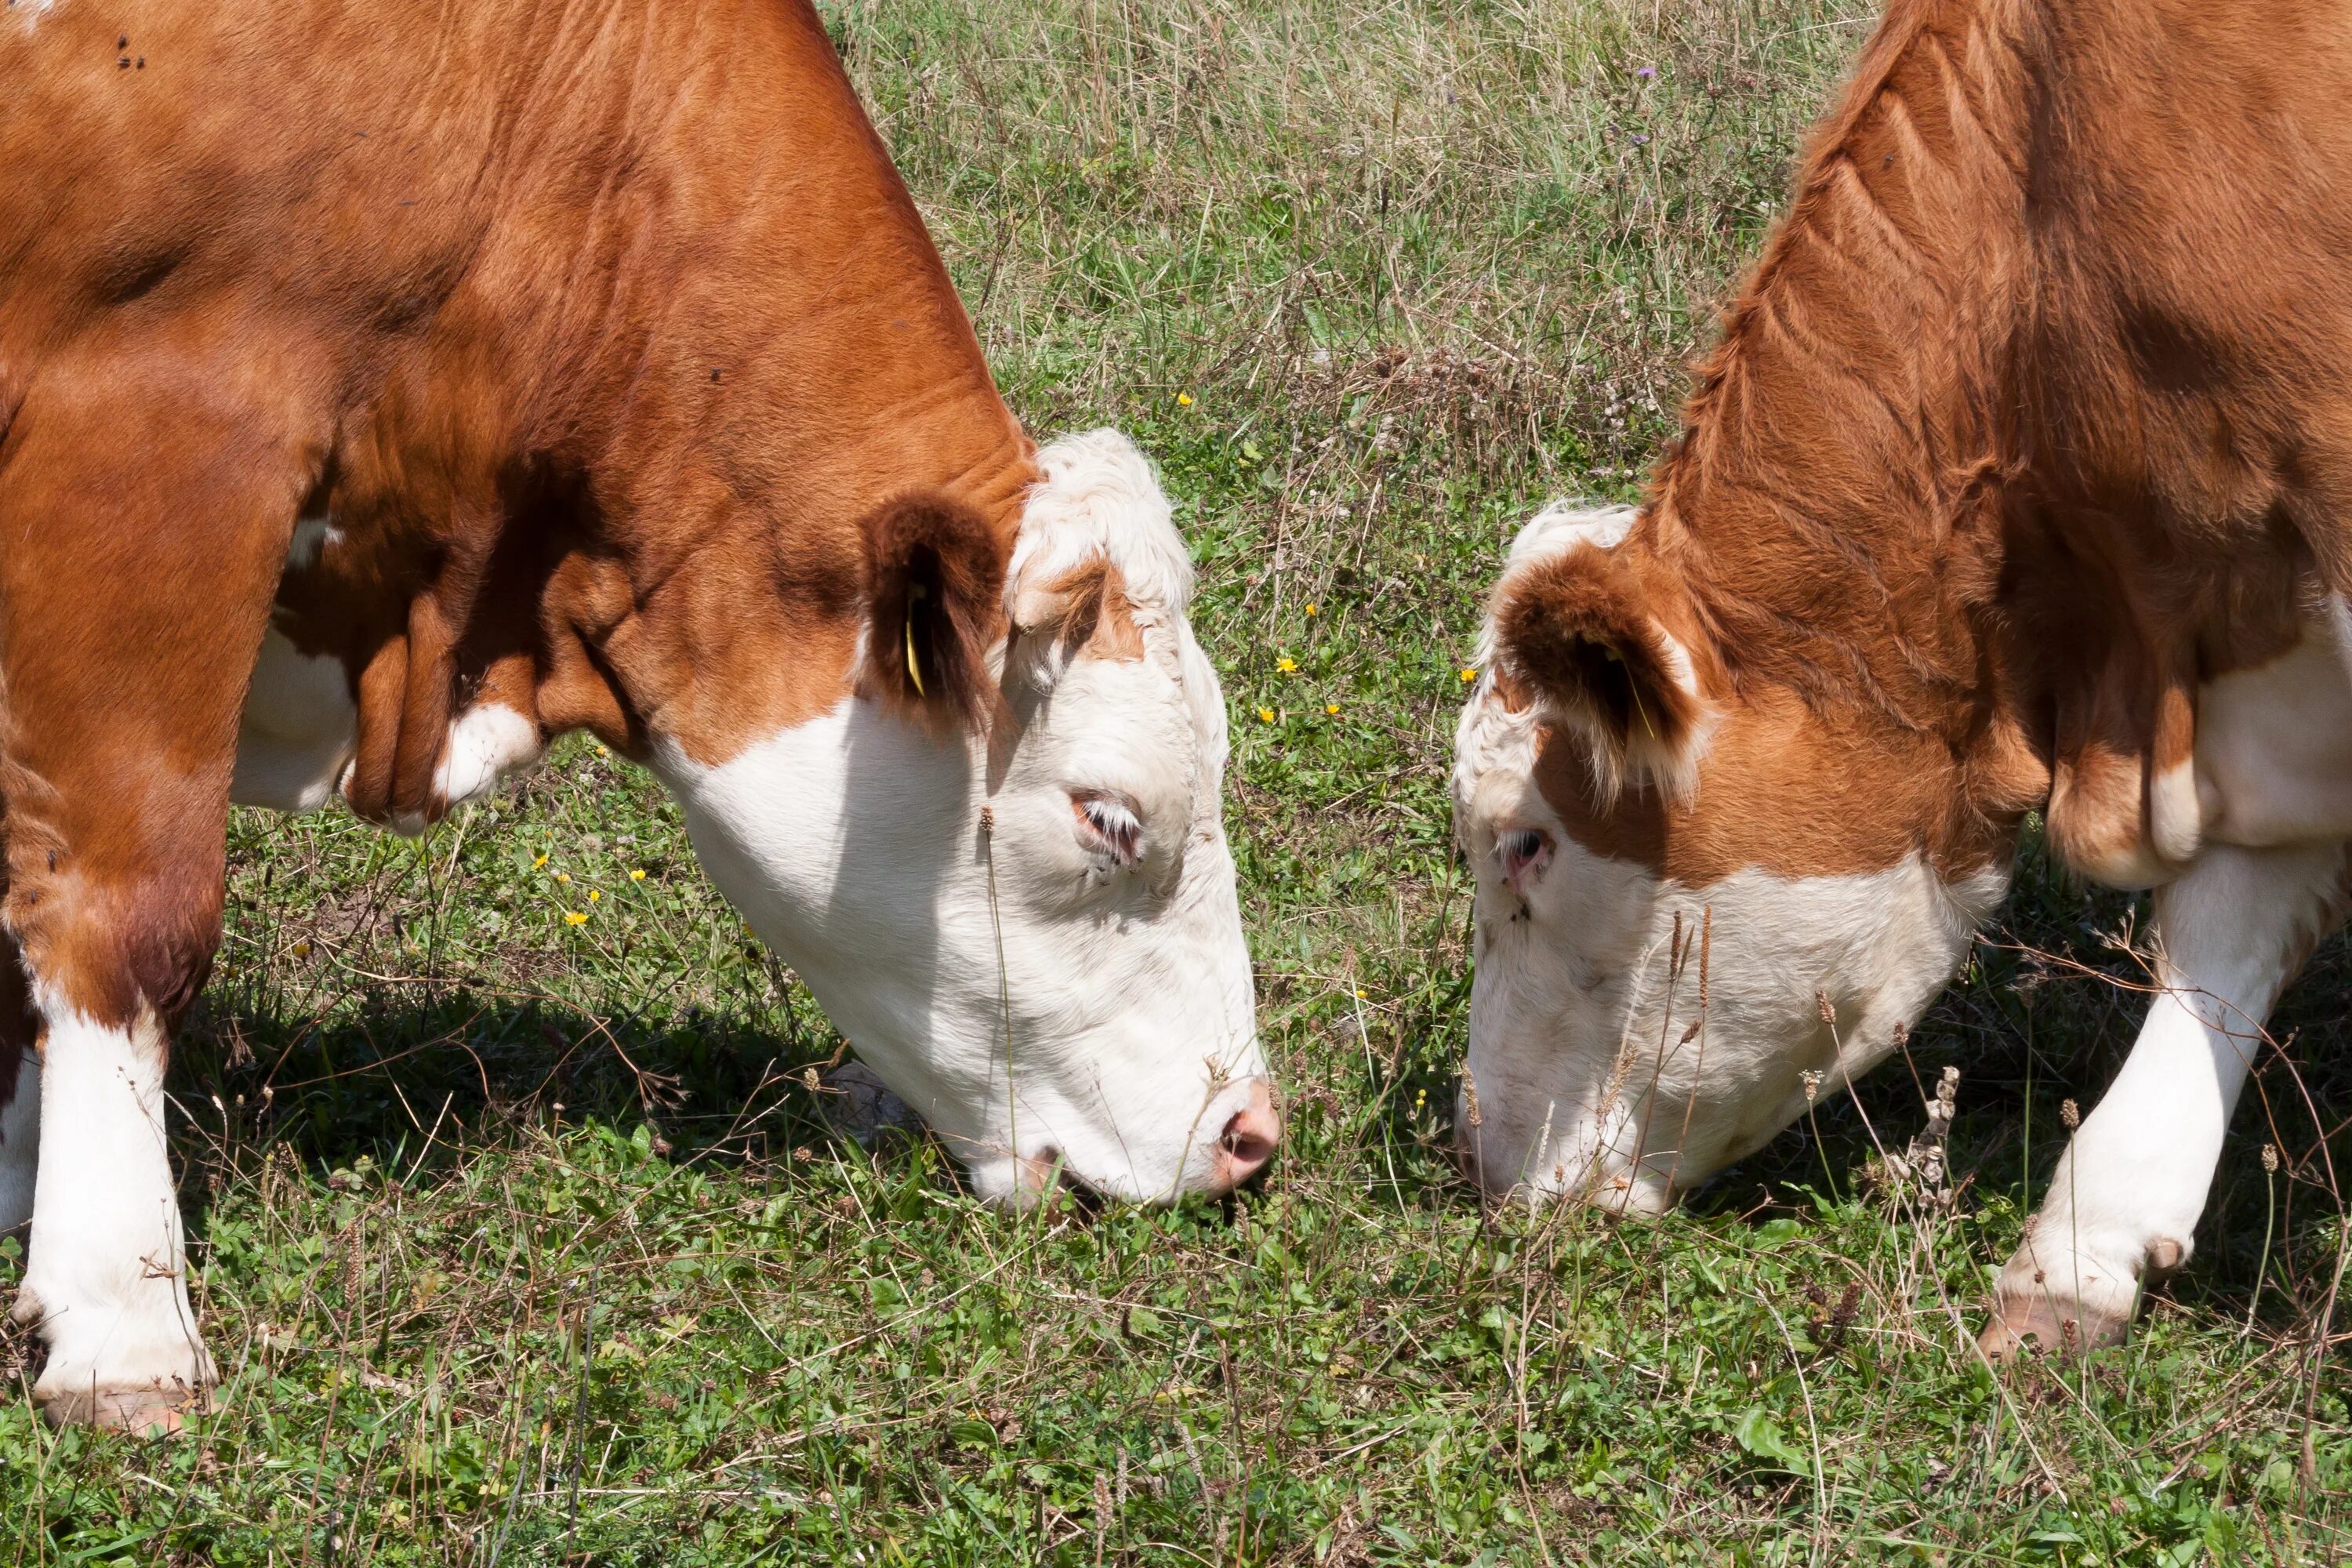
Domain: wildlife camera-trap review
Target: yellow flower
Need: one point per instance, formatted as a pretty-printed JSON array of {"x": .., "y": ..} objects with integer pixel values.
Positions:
[
  {"x": 576, "y": 917},
  {"x": 1288, "y": 665},
  {"x": 302, "y": 950},
  {"x": 564, "y": 877},
  {"x": 601, "y": 750},
  {"x": 1183, "y": 400},
  {"x": 593, "y": 895},
  {"x": 535, "y": 865},
  {"x": 1469, "y": 675},
  {"x": 1266, "y": 715},
  {"x": 1359, "y": 993},
  {"x": 1313, "y": 610},
  {"x": 638, "y": 875},
  {"x": 1332, "y": 708}
]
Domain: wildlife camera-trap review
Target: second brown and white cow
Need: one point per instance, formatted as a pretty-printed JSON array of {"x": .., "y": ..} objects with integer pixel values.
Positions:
[
  {"x": 2022, "y": 480},
  {"x": 388, "y": 387}
]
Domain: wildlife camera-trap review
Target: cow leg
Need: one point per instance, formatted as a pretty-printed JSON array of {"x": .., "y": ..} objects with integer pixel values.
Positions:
[
  {"x": 2124, "y": 1202},
  {"x": 145, "y": 519}
]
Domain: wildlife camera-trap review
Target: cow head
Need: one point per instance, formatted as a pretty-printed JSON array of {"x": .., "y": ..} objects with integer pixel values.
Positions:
[
  {"x": 1028, "y": 925},
  {"x": 1698, "y": 900}
]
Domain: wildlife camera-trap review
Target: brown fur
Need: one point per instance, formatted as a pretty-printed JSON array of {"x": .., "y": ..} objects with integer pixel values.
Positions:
[
  {"x": 2030, "y": 417},
  {"x": 1097, "y": 619},
  {"x": 601, "y": 336},
  {"x": 1574, "y": 628}
]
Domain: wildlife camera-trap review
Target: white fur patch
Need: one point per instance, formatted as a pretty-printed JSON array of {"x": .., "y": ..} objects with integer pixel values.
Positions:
[
  {"x": 299, "y": 729},
  {"x": 486, "y": 745},
  {"x": 852, "y": 846},
  {"x": 1099, "y": 497},
  {"x": 1565, "y": 525},
  {"x": 2175, "y": 826},
  {"x": 2274, "y": 744},
  {"x": 106, "y": 1275},
  {"x": 20, "y": 1145},
  {"x": 1585, "y": 1082}
]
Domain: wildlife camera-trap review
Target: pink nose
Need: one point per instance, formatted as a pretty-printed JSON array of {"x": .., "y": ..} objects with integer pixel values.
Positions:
[{"x": 1250, "y": 1135}]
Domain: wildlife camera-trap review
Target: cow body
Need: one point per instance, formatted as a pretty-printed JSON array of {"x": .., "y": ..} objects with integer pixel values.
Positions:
[
  {"x": 2022, "y": 480},
  {"x": 386, "y": 389}
]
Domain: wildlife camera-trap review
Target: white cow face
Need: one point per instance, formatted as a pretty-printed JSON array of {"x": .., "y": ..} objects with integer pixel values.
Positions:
[
  {"x": 1067, "y": 874},
  {"x": 1674, "y": 926}
]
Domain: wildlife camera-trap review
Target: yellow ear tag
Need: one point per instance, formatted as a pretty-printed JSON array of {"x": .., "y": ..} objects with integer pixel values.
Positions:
[{"x": 915, "y": 596}]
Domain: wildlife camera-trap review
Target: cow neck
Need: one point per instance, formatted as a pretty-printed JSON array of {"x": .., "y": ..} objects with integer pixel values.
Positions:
[
  {"x": 1832, "y": 509},
  {"x": 809, "y": 360},
  {"x": 700, "y": 334}
]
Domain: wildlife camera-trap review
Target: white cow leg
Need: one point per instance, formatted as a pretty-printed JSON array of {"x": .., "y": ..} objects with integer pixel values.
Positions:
[
  {"x": 2124, "y": 1202},
  {"x": 20, "y": 1145},
  {"x": 106, "y": 1277}
]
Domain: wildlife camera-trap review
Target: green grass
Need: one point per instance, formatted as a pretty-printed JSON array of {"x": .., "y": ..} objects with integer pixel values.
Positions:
[{"x": 525, "y": 1242}]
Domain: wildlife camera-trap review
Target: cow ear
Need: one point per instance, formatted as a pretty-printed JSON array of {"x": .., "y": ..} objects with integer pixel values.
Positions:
[
  {"x": 1041, "y": 605},
  {"x": 934, "y": 578},
  {"x": 1085, "y": 607},
  {"x": 1577, "y": 629}
]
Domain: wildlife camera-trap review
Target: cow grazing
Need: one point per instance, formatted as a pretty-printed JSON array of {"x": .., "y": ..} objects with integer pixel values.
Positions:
[
  {"x": 387, "y": 388},
  {"x": 2020, "y": 480}
]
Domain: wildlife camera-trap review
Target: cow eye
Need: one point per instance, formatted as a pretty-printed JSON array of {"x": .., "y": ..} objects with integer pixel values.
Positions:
[
  {"x": 1109, "y": 826},
  {"x": 1524, "y": 852}
]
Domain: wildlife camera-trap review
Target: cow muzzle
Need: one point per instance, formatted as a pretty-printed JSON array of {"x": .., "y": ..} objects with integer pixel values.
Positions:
[{"x": 1247, "y": 1128}]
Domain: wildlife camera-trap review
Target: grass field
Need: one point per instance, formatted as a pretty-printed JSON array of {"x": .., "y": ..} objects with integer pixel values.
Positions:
[{"x": 523, "y": 1241}]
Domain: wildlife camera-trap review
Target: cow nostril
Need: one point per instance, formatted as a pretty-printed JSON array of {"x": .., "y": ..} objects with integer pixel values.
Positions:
[
  {"x": 1052, "y": 1178},
  {"x": 1250, "y": 1136},
  {"x": 1040, "y": 1173}
]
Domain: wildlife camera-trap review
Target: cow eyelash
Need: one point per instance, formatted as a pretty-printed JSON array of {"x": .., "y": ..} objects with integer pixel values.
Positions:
[
  {"x": 1519, "y": 849},
  {"x": 1524, "y": 844},
  {"x": 1109, "y": 828}
]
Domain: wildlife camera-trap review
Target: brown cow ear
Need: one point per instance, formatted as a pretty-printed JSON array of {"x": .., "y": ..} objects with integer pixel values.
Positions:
[
  {"x": 934, "y": 575},
  {"x": 1577, "y": 630},
  {"x": 1085, "y": 608}
]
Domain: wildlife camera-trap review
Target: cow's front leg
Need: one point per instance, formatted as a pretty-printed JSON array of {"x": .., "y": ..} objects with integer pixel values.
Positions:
[
  {"x": 2124, "y": 1200},
  {"x": 106, "y": 1281},
  {"x": 145, "y": 522}
]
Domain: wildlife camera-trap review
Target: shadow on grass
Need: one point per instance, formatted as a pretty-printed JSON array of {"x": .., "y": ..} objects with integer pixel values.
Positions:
[{"x": 408, "y": 1078}]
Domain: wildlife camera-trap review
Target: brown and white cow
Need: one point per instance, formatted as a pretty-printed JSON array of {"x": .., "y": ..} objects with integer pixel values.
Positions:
[
  {"x": 387, "y": 387},
  {"x": 2021, "y": 480}
]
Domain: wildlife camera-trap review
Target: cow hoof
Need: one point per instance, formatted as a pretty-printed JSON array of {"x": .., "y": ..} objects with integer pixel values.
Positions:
[
  {"x": 150, "y": 1412},
  {"x": 2047, "y": 1325}
]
